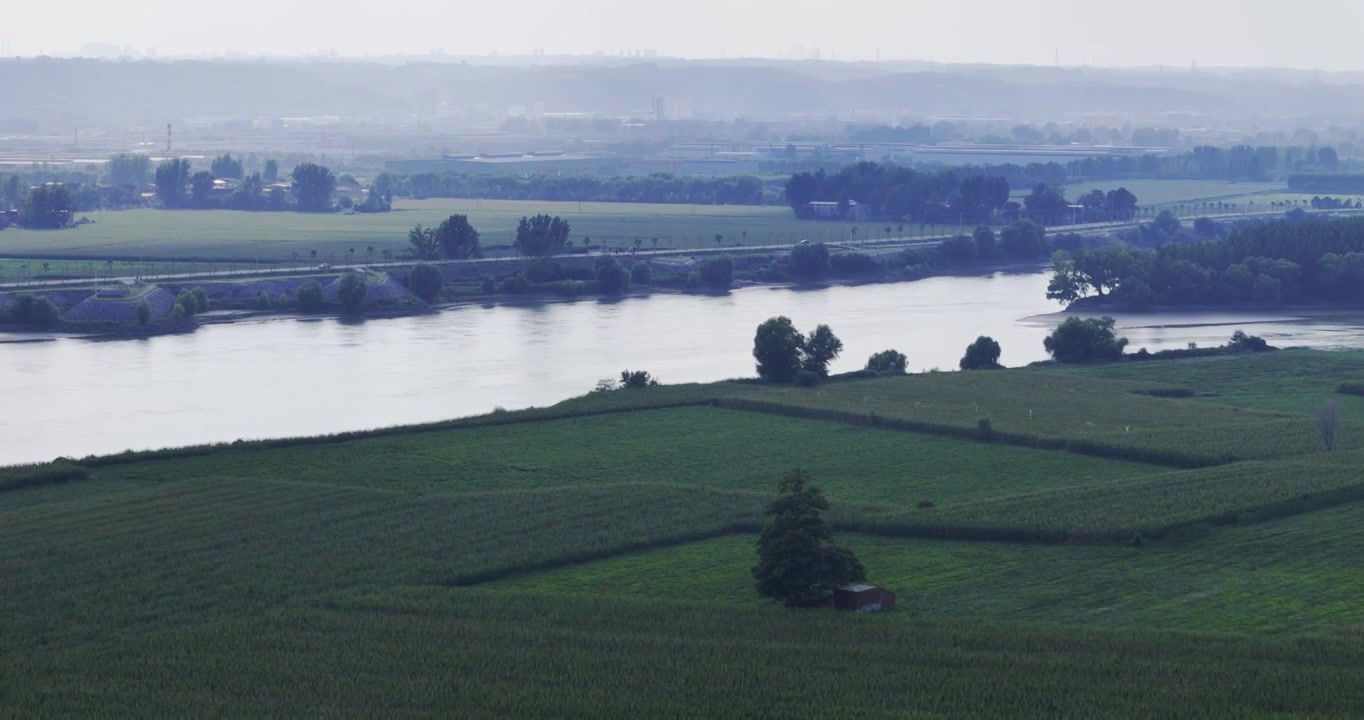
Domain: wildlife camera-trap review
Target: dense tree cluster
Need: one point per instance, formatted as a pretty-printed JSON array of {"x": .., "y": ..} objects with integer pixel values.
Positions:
[
  {"x": 894, "y": 193},
  {"x": 1265, "y": 265},
  {"x": 454, "y": 239}
]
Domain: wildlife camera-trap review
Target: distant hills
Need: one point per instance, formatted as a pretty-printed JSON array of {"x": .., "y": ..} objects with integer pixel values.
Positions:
[{"x": 57, "y": 93}]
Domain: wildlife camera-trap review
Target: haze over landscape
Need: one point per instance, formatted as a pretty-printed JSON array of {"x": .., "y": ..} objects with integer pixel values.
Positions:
[
  {"x": 1252, "y": 33},
  {"x": 596, "y": 359}
]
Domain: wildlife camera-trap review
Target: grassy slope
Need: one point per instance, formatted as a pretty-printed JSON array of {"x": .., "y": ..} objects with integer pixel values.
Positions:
[
  {"x": 709, "y": 447},
  {"x": 276, "y": 236},
  {"x": 1291, "y": 576}
]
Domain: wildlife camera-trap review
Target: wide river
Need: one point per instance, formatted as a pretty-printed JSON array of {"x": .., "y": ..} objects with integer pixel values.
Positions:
[{"x": 285, "y": 376}]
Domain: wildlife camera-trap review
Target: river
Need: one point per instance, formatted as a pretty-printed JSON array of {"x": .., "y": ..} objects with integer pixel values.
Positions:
[{"x": 284, "y": 376}]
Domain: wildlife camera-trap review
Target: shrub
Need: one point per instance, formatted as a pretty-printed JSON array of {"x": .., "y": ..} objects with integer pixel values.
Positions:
[
  {"x": 1085, "y": 341},
  {"x": 640, "y": 273},
  {"x": 983, "y": 354},
  {"x": 717, "y": 273},
  {"x": 311, "y": 297},
  {"x": 612, "y": 279},
  {"x": 985, "y": 429},
  {"x": 807, "y": 378},
  {"x": 489, "y": 285},
  {"x": 887, "y": 361},
  {"x": 187, "y": 302},
  {"x": 144, "y": 313},
  {"x": 926, "y": 505},
  {"x": 200, "y": 300},
  {"x": 1351, "y": 388},
  {"x": 809, "y": 261},
  {"x": 32, "y": 311},
  {"x": 1241, "y": 342},
  {"x": 425, "y": 281},
  {"x": 352, "y": 292},
  {"x": 855, "y": 265},
  {"x": 514, "y": 285}
]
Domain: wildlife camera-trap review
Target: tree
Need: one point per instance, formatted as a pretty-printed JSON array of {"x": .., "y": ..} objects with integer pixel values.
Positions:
[
  {"x": 144, "y": 313},
  {"x": 612, "y": 279},
  {"x": 425, "y": 281},
  {"x": 352, "y": 291},
  {"x": 225, "y": 166},
  {"x": 313, "y": 186},
  {"x": 821, "y": 348},
  {"x": 541, "y": 236},
  {"x": 1205, "y": 227},
  {"x": 126, "y": 169},
  {"x": 31, "y": 311},
  {"x": 983, "y": 354},
  {"x": 201, "y": 190},
  {"x": 960, "y": 250},
  {"x": 186, "y": 304},
  {"x": 985, "y": 242},
  {"x": 271, "y": 171},
  {"x": 458, "y": 240},
  {"x": 640, "y": 273},
  {"x": 637, "y": 380},
  {"x": 1047, "y": 204},
  {"x": 809, "y": 260},
  {"x": 423, "y": 243},
  {"x": 310, "y": 297},
  {"x": 717, "y": 272},
  {"x": 1167, "y": 224},
  {"x": 1085, "y": 341},
  {"x": 797, "y": 562},
  {"x": 47, "y": 207},
  {"x": 778, "y": 348},
  {"x": 887, "y": 361},
  {"x": 171, "y": 178},
  {"x": 1022, "y": 240}
]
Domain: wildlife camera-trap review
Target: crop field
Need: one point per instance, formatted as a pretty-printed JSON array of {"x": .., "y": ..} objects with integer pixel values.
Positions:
[
  {"x": 592, "y": 559},
  {"x": 1174, "y": 192},
  {"x": 1293, "y": 576},
  {"x": 290, "y": 237},
  {"x": 1032, "y": 406},
  {"x": 743, "y": 451}
]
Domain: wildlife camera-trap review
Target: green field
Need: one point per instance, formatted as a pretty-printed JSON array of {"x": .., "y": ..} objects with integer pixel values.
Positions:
[
  {"x": 1175, "y": 192},
  {"x": 592, "y": 559},
  {"x": 288, "y": 237}
]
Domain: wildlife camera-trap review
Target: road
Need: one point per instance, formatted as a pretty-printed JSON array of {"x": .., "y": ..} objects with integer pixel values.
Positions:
[{"x": 887, "y": 244}]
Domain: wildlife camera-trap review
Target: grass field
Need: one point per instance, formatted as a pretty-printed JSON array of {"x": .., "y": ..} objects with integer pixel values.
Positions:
[
  {"x": 285, "y": 237},
  {"x": 592, "y": 559},
  {"x": 1292, "y": 576},
  {"x": 1174, "y": 192}
]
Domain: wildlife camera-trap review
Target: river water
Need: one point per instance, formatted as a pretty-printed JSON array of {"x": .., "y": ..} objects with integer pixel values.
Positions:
[{"x": 285, "y": 376}]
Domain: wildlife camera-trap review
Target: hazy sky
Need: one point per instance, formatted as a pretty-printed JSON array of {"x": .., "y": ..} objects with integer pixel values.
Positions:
[{"x": 1289, "y": 33}]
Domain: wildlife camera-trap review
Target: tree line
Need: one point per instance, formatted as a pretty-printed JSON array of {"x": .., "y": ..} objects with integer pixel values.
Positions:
[{"x": 1287, "y": 261}]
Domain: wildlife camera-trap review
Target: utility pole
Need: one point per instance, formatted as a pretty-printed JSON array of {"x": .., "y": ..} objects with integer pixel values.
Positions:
[{"x": 168, "y": 138}]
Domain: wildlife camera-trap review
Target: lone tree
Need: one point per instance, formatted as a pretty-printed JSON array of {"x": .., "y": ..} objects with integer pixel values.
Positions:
[
  {"x": 313, "y": 187},
  {"x": 821, "y": 348},
  {"x": 983, "y": 354},
  {"x": 541, "y": 236},
  {"x": 888, "y": 361},
  {"x": 1085, "y": 341},
  {"x": 797, "y": 562},
  {"x": 458, "y": 240}
]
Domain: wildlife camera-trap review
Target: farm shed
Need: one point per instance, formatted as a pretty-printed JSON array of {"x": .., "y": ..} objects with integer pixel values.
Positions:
[{"x": 863, "y": 598}]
